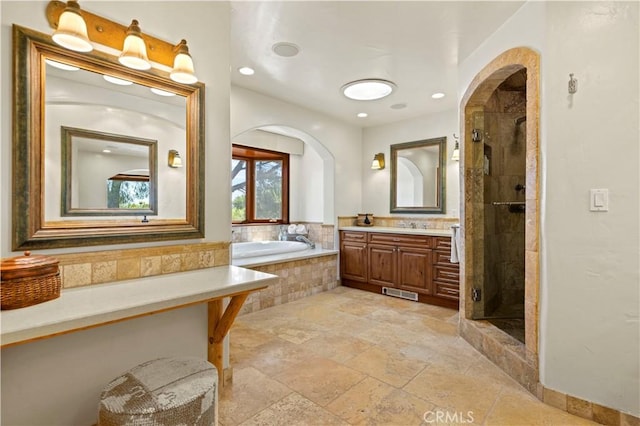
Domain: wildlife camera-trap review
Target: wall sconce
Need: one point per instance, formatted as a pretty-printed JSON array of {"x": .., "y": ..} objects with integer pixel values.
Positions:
[
  {"x": 378, "y": 162},
  {"x": 455, "y": 156},
  {"x": 175, "y": 160},
  {"x": 76, "y": 30}
]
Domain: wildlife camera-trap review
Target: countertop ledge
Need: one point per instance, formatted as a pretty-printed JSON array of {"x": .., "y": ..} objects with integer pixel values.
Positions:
[
  {"x": 389, "y": 230},
  {"x": 90, "y": 306}
]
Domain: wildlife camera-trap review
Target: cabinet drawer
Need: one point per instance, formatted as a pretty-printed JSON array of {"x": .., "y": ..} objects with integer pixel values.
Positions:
[
  {"x": 443, "y": 257},
  {"x": 399, "y": 239},
  {"x": 446, "y": 274},
  {"x": 450, "y": 292},
  {"x": 442, "y": 243},
  {"x": 353, "y": 236}
]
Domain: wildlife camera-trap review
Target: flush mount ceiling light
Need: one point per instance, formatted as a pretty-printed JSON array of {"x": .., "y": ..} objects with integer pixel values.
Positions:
[
  {"x": 246, "y": 71},
  {"x": 438, "y": 95},
  {"x": 286, "y": 50},
  {"x": 368, "y": 89}
]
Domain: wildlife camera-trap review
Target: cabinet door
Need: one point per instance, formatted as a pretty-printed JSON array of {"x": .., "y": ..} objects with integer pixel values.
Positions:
[
  {"x": 414, "y": 267},
  {"x": 353, "y": 261},
  {"x": 382, "y": 265}
]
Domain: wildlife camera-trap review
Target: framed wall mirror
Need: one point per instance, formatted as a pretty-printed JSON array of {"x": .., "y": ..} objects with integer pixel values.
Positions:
[
  {"x": 107, "y": 174},
  {"x": 418, "y": 176},
  {"x": 70, "y": 109}
]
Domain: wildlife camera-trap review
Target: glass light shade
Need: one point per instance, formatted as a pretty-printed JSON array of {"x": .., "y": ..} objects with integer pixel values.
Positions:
[
  {"x": 183, "y": 71},
  {"x": 60, "y": 65},
  {"x": 72, "y": 30},
  {"x": 116, "y": 80},
  {"x": 134, "y": 51},
  {"x": 175, "y": 160},
  {"x": 368, "y": 90},
  {"x": 455, "y": 156},
  {"x": 378, "y": 162}
]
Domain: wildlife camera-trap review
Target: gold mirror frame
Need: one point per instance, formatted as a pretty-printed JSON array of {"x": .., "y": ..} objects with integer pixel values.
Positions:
[
  {"x": 29, "y": 228},
  {"x": 440, "y": 176}
]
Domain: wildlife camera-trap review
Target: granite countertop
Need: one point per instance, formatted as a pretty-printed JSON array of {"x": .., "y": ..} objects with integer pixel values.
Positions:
[{"x": 410, "y": 231}]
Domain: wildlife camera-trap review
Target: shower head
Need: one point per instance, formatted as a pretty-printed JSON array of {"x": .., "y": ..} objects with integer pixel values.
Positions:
[{"x": 520, "y": 120}]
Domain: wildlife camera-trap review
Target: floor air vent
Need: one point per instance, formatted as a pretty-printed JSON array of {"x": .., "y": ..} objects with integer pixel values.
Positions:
[{"x": 409, "y": 295}]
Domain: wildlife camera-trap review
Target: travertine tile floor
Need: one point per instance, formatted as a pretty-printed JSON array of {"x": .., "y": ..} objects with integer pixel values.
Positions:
[{"x": 348, "y": 357}]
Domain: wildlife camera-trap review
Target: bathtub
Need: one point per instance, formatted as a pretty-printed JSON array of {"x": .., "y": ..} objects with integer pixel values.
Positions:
[{"x": 265, "y": 248}]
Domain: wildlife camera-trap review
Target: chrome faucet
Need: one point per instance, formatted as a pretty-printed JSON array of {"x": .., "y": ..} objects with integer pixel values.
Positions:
[{"x": 307, "y": 241}]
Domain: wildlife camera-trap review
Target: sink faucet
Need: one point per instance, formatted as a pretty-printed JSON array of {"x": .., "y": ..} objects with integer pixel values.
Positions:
[{"x": 307, "y": 241}]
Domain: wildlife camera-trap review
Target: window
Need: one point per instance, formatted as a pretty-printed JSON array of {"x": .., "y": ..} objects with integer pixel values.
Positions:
[{"x": 259, "y": 186}]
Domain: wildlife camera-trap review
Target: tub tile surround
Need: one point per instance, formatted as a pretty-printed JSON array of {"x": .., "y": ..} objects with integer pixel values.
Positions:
[
  {"x": 297, "y": 279},
  {"x": 82, "y": 269},
  {"x": 319, "y": 233}
]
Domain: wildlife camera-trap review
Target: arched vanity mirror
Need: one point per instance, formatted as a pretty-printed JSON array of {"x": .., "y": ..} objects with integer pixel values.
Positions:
[
  {"x": 91, "y": 157},
  {"x": 418, "y": 176}
]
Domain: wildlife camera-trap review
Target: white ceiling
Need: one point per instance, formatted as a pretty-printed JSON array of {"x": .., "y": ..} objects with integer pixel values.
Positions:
[{"x": 416, "y": 44}]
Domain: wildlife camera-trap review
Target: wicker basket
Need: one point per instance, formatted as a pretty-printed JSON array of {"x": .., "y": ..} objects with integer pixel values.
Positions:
[{"x": 28, "y": 280}]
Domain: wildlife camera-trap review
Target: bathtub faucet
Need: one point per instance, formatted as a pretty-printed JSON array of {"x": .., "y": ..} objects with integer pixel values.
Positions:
[{"x": 307, "y": 241}]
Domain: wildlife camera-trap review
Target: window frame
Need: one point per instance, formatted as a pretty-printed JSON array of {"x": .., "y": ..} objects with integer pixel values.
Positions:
[{"x": 251, "y": 155}]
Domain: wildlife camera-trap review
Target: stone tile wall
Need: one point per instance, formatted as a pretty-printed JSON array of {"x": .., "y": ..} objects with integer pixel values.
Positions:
[
  {"x": 81, "y": 269},
  {"x": 403, "y": 222},
  {"x": 298, "y": 279},
  {"x": 319, "y": 233}
]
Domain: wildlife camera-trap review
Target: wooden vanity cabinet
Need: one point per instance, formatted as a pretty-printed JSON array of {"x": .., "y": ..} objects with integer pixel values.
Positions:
[
  {"x": 354, "y": 263},
  {"x": 417, "y": 263}
]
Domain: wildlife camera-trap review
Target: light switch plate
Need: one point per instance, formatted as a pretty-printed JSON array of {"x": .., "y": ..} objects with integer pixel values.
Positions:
[{"x": 599, "y": 200}]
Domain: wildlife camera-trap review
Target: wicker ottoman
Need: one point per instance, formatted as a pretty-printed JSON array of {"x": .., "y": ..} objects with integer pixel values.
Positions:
[{"x": 166, "y": 391}]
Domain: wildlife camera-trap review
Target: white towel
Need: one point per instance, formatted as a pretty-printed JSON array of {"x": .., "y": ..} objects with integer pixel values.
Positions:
[
  {"x": 291, "y": 229},
  {"x": 301, "y": 229},
  {"x": 455, "y": 243}
]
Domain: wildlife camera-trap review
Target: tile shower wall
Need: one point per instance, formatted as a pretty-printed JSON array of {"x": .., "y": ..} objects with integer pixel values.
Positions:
[
  {"x": 318, "y": 233},
  {"x": 82, "y": 269},
  {"x": 298, "y": 279}
]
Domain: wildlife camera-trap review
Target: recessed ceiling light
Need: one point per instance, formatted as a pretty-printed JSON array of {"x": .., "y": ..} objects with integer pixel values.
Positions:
[
  {"x": 116, "y": 80},
  {"x": 106, "y": 151},
  {"x": 285, "y": 49},
  {"x": 368, "y": 89},
  {"x": 246, "y": 71},
  {"x": 162, "y": 92},
  {"x": 438, "y": 95},
  {"x": 363, "y": 115},
  {"x": 398, "y": 106},
  {"x": 61, "y": 66}
]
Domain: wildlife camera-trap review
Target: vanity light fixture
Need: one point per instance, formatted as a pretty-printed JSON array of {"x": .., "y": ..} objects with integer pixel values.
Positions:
[
  {"x": 183, "y": 71},
  {"x": 134, "y": 51},
  {"x": 455, "y": 156},
  {"x": 175, "y": 160},
  {"x": 368, "y": 89},
  {"x": 77, "y": 31},
  {"x": 71, "y": 32},
  {"x": 378, "y": 162}
]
